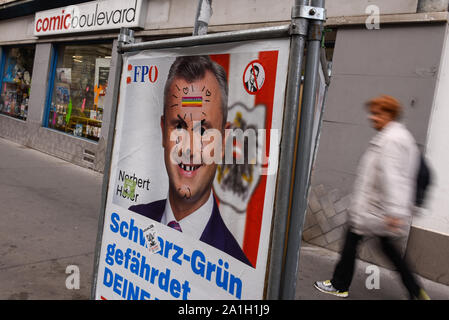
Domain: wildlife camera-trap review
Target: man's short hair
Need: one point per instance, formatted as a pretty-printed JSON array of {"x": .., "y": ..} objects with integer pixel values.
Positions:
[
  {"x": 193, "y": 68},
  {"x": 255, "y": 68},
  {"x": 387, "y": 103}
]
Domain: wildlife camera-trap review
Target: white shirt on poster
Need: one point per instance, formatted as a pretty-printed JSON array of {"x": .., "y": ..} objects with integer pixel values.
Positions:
[{"x": 194, "y": 224}]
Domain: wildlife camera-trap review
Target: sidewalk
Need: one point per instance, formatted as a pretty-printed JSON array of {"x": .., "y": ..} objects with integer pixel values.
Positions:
[
  {"x": 316, "y": 263},
  {"x": 48, "y": 220},
  {"x": 49, "y": 217}
]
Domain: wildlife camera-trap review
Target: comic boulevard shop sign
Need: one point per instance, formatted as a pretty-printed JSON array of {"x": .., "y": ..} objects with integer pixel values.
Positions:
[{"x": 90, "y": 16}]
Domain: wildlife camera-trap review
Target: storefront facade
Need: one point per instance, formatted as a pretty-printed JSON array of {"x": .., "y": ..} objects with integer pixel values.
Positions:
[{"x": 55, "y": 76}]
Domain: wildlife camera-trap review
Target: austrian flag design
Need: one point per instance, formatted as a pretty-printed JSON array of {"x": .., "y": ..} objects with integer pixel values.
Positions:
[{"x": 192, "y": 101}]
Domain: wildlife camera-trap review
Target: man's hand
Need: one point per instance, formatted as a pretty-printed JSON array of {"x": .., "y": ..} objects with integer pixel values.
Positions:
[{"x": 394, "y": 224}]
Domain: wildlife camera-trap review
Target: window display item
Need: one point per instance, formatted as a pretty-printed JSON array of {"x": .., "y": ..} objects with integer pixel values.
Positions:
[
  {"x": 78, "y": 130},
  {"x": 80, "y": 85},
  {"x": 16, "y": 81}
]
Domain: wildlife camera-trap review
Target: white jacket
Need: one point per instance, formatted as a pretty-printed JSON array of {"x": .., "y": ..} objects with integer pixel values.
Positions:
[{"x": 385, "y": 183}]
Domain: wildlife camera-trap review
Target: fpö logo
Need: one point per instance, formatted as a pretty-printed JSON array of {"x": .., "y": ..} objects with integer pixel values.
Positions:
[
  {"x": 142, "y": 73},
  {"x": 91, "y": 16}
]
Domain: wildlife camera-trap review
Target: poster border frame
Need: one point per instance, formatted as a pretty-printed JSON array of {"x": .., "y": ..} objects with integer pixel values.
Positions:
[{"x": 191, "y": 41}]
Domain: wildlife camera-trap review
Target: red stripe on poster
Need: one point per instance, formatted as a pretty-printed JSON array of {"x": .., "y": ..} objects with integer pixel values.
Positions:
[
  {"x": 254, "y": 213},
  {"x": 222, "y": 60}
]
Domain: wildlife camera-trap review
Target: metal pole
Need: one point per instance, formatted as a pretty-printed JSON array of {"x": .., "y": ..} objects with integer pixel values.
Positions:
[
  {"x": 222, "y": 37},
  {"x": 298, "y": 31},
  {"x": 203, "y": 14},
  {"x": 125, "y": 36},
  {"x": 301, "y": 181}
]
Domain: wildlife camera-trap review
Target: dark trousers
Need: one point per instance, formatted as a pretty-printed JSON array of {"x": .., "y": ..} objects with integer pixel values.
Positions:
[{"x": 344, "y": 269}]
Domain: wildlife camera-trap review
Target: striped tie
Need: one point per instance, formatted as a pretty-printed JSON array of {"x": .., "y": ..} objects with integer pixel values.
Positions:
[{"x": 173, "y": 224}]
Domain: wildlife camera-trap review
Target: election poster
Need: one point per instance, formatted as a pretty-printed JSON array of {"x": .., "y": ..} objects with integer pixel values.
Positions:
[{"x": 193, "y": 172}]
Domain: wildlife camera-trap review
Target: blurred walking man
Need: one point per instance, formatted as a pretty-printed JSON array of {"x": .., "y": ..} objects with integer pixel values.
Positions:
[{"x": 383, "y": 197}]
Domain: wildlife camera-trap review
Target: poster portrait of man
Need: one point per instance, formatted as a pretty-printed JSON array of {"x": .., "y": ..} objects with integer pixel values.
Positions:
[
  {"x": 195, "y": 93},
  {"x": 191, "y": 189}
]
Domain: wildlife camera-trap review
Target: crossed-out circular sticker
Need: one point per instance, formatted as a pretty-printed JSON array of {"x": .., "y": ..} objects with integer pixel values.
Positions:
[{"x": 253, "y": 77}]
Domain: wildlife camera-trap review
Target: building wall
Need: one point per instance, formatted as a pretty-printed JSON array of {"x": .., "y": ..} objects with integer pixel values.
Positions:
[
  {"x": 398, "y": 60},
  {"x": 429, "y": 239},
  {"x": 178, "y": 14},
  {"x": 17, "y": 29},
  {"x": 435, "y": 217}
]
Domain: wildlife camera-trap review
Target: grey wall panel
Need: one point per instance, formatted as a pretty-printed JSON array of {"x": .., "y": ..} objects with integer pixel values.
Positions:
[
  {"x": 408, "y": 51},
  {"x": 338, "y": 8},
  {"x": 344, "y": 180},
  {"x": 342, "y": 152},
  {"x": 348, "y": 95}
]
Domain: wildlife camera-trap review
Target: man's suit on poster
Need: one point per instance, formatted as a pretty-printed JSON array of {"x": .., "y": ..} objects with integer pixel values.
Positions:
[{"x": 215, "y": 233}]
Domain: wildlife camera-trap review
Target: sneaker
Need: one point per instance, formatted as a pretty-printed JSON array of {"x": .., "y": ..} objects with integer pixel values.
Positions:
[
  {"x": 327, "y": 287},
  {"x": 422, "y": 295}
]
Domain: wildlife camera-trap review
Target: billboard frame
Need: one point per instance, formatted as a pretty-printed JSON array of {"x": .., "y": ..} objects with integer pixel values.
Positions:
[{"x": 293, "y": 171}]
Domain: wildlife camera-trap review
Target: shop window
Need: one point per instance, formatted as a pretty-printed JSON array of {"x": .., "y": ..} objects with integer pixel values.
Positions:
[
  {"x": 17, "y": 67},
  {"x": 78, "y": 89}
]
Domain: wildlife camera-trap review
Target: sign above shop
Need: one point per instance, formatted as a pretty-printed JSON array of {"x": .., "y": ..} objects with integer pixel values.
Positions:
[{"x": 91, "y": 16}]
